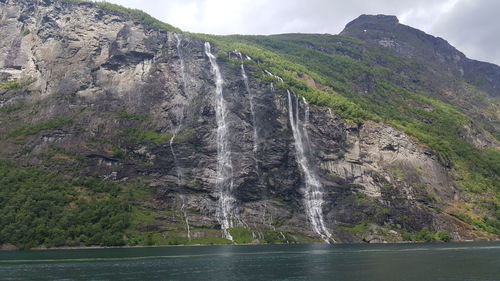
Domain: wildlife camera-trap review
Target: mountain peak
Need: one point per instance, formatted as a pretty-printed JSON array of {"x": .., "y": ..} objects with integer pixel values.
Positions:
[
  {"x": 384, "y": 24},
  {"x": 370, "y": 20},
  {"x": 433, "y": 52},
  {"x": 386, "y": 31}
]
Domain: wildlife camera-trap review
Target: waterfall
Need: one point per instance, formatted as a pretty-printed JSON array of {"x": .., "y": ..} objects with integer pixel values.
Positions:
[
  {"x": 176, "y": 129},
  {"x": 313, "y": 193},
  {"x": 224, "y": 182},
  {"x": 186, "y": 220},
  {"x": 180, "y": 114},
  {"x": 275, "y": 77},
  {"x": 181, "y": 58},
  {"x": 252, "y": 110},
  {"x": 255, "y": 134}
]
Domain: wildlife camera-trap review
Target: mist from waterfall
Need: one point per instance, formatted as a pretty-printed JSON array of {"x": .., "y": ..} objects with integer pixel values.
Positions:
[
  {"x": 313, "y": 192},
  {"x": 224, "y": 181}
]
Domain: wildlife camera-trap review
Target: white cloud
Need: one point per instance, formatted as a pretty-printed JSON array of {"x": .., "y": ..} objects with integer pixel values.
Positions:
[{"x": 426, "y": 17}]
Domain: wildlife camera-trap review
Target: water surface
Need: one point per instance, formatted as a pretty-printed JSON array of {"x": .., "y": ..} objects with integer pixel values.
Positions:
[{"x": 453, "y": 261}]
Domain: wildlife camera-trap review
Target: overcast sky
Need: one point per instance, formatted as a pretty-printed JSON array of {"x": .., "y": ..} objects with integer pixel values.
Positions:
[{"x": 471, "y": 26}]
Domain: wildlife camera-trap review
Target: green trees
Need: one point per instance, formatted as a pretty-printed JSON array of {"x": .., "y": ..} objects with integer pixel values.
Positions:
[
  {"x": 425, "y": 235},
  {"x": 41, "y": 209}
]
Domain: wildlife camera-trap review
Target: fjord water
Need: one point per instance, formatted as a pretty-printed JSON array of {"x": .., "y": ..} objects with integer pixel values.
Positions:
[{"x": 453, "y": 261}]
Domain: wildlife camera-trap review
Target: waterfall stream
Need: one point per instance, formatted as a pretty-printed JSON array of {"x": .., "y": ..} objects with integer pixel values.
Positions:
[
  {"x": 176, "y": 129},
  {"x": 224, "y": 181},
  {"x": 252, "y": 110},
  {"x": 313, "y": 193},
  {"x": 256, "y": 138},
  {"x": 180, "y": 113}
]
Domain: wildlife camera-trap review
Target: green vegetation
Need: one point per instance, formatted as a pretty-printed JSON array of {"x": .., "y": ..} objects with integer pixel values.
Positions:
[
  {"x": 140, "y": 216},
  {"x": 14, "y": 84},
  {"x": 397, "y": 173},
  {"x": 119, "y": 153},
  {"x": 42, "y": 209},
  {"x": 33, "y": 129},
  {"x": 125, "y": 115},
  {"x": 487, "y": 224},
  {"x": 444, "y": 236},
  {"x": 137, "y": 135},
  {"x": 57, "y": 152},
  {"x": 94, "y": 186},
  {"x": 172, "y": 238},
  {"x": 425, "y": 235},
  {"x": 279, "y": 237},
  {"x": 361, "y": 227},
  {"x": 241, "y": 235},
  {"x": 10, "y": 108}
]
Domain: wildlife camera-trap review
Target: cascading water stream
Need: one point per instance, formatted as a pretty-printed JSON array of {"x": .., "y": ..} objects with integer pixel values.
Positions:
[
  {"x": 280, "y": 80},
  {"x": 313, "y": 194},
  {"x": 176, "y": 129},
  {"x": 255, "y": 133},
  {"x": 186, "y": 220},
  {"x": 252, "y": 110},
  {"x": 180, "y": 113},
  {"x": 224, "y": 181}
]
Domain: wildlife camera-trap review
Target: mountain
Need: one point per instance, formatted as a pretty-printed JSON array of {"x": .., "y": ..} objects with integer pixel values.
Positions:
[
  {"x": 437, "y": 54},
  {"x": 118, "y": 129}
]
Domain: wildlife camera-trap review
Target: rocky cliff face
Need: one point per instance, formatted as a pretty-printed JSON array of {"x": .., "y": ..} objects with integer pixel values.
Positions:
[{"x": 138, "y": 105}]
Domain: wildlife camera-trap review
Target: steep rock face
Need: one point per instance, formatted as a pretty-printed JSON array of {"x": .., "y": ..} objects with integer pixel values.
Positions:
[
  {"x": 127, "y": 90},
  {"x": 377, "y": 150}
]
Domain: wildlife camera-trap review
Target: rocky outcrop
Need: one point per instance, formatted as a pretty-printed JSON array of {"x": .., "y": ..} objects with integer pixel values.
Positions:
[
  {"x": 120, "y": 92},
  {"x": 379, "y": 155}
]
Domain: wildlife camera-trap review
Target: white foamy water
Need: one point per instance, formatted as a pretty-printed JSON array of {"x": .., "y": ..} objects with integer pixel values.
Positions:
[
  {"x": 313, "y": 191},
  {"x": 252, "y": 109},
  {"x": 224, "y": 181}
]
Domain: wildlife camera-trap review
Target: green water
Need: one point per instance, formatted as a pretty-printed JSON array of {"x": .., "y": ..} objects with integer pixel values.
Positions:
[{"x": 454, "y": 261}]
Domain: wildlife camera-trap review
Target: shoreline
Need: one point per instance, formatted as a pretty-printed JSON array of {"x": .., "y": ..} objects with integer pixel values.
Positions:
[{"x": 13, "y": 248}]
